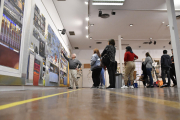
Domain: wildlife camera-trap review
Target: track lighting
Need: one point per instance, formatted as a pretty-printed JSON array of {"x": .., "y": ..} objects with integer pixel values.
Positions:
[
  {"x": 113, "y": 13},
  {"x": 154, "y": 42},
  {"x": 150, "y": 42},
  {"x": 170, "y": 43},
  {"x": 63, "y": 31},
  {"x": 100, "y": 13}
]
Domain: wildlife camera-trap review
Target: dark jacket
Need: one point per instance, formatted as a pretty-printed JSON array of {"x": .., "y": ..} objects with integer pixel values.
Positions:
[
  {"x": 144, "y": 70},
  {"x": 110, "y": 51},
  {"x": 165, "y": 61},
  {"x": 172, "y": 65}
]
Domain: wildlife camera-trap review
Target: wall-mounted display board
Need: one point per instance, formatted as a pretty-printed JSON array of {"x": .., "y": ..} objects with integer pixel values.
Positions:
[{"x": 11, "y": 31}]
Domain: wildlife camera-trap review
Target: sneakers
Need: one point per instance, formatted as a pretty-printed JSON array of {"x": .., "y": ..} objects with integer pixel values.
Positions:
[
  {"x": 150, "y": 86},
  {"x": 124, "y": 87},
  {"x": 102, "y": 87},
  {"x": 132, "y": 87},
  {"x": 165, "y": 85},
  {"x": 70, "y": 88},
  {"x": 93, "y": 86},
  {"x": 175, "y": 85}
]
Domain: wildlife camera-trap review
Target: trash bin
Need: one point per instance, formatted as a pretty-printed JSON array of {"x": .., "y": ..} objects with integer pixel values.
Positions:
[{"x": 118, "y": 80}]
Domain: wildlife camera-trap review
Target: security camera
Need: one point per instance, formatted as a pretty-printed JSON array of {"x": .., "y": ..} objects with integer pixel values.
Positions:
[{"x": 63, "y": 31}]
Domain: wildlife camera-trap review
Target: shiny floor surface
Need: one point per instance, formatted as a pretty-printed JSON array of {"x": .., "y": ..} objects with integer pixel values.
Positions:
[{"x": 91, "y": 104}]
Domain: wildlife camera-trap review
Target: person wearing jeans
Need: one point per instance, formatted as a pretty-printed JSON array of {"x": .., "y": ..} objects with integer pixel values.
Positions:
[
  {"x": 95, "y": 68},
  {"x": 165, "y": 66},
  {"x": 102, "y": 79},
  {"x": 148, "y": 62}
]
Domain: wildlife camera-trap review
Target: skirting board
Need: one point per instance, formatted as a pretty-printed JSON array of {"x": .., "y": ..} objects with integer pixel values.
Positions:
[{"x": 9, "y": 80}]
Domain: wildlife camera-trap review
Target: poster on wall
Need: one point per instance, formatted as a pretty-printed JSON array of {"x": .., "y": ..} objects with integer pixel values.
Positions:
[
  {"x": 54, "y": 73},
  {"x": 11, "y": 32},
  {"x": 53, "y": 47},
  {"x": 36, "y": 75}
]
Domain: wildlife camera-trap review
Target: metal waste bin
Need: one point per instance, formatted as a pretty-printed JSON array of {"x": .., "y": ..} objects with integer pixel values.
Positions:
[{"x": 118, "y": 80}]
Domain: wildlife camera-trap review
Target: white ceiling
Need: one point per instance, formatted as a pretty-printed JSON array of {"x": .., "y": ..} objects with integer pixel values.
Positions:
[{"x": 146, "y": 15}]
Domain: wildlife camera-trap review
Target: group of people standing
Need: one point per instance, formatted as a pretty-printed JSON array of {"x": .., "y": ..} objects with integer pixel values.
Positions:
[{"x": 98, "y": 67}]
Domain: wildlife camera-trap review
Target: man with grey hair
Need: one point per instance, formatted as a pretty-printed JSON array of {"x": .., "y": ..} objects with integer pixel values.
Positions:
[{"x": 74, "y": 66}]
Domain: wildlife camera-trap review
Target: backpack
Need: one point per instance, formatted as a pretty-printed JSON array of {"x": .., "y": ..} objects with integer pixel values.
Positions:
[{"x": 105, "y": 60}]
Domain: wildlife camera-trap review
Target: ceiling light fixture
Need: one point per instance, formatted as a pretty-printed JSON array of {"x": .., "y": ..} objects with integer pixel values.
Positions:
[
  {"x": 167, "y": 25},
  {"x": 108, "y": 2},
  {"x": 121, "y": 38},
  {"x": 170, "y": 43},
  {"x": 86, "y": 27},
  {"x": 113, "y": 13},
  {"x": 91, "y": 38},
  {"x": 87, "y": 18},
  {"x": 86, "y": 3},
  {"x": 163, "y": 22},
  {"x": 131, "y": 25},
  {"x": 91, "y": 25},
  {"x": 150, "y": 38},
  {"x": 87, "y": 36}
]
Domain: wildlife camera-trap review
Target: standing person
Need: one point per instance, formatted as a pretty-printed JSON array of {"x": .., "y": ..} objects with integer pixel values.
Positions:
[
  {"x": 145, "y": 77},
  {"x": 165, "y": 67},
  {"x": 95, "y": 68},
  {"x": 148, "y": 62},
  {"x": 129, "y": 58},
  {"x": 74, "y": 65},
  {"x": 173, "y": 71},
  {"x": 110, "y": 51}
]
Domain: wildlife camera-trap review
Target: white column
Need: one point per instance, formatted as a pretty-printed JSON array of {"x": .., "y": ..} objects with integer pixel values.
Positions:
[
  {"x": 120, "y": 53},
  {"x": 174, "y": 37}
]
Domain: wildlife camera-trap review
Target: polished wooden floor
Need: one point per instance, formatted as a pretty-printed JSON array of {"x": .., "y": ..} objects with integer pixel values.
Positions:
[{"x": 91, "y": 104}]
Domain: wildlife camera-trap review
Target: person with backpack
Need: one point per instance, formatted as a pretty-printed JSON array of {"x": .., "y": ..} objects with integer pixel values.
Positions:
[
  {"x": 165, "y": 67},
  {"x": 129, "y": 58},
  {"x": 108, "y": 59},
  {"x": 148, "y": 62},
  {"x": 95, "y": 68}
]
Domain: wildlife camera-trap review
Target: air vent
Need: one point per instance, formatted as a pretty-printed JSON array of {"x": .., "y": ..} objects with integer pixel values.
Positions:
[
  {"x": 178, "y": 17},
  {"x": 98, "y": 42},
  {"x": 76, "y": 47},
  {"x": 104, "y": 15},
  {"x": 145, "y": 42},
  {"x": 71, "y": 33},
  {"x": 124, "y": 44}
]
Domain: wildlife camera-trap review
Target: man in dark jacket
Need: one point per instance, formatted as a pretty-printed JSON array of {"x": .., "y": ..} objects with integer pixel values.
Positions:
[
  {"x": 165, "y": 67},
  {"x": 173, "y": 71}
]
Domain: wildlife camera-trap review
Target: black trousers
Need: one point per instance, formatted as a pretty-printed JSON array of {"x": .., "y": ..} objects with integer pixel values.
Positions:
[
  {"x": 166, "y": 71},
  {"x": 172, "y": 75},
  {"x": 96, "y": 76},
  {"x": 111, "y": 72}
]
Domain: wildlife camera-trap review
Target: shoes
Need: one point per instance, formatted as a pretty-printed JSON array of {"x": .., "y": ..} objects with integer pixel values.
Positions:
[
  {"x": 110, "y": 87},
  {"x": 70, "y": 88},
  {"x": 150, "y": 86},
  {"x": 93, "y": 86},
  {"x": 165, "y": 85},
  {"x": 77, "y": 87},
  {"x": 102, "y": 87},
  {"x": 124, "y": 87},
  {"x": 132, "y": 87},
  {"x": 175, "y": 85}
]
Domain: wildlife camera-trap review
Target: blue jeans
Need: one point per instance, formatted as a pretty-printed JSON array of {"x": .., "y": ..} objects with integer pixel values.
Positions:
[
  {"x": 150, "y": 75},
  {"x": 102, "y": 79}
]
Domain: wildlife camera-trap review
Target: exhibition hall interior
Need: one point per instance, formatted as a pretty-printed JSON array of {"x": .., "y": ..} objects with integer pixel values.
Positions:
[{"x": 89, "y": 59}]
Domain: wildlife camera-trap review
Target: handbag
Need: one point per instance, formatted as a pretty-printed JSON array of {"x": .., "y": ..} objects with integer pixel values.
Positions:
[{"x": 105, "y": 60}]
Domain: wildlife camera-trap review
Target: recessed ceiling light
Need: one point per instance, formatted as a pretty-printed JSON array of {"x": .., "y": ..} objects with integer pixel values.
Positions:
[
  {"x": 167, "y": 25},
  {"x": 150, "y": 38},
  {"x": 90, "y": 38},
  {"x": 87, "y": 36},
  {"x": 86, "y": 3},
  {"x": 87, "y": 18},
  {"x": 92, "y": 25},
  {"x": 131, "y": 25},
  {"x": 121, "y": 37},
  {"x": 86, "y": 27},
  {"x": 163, "y": 22}
]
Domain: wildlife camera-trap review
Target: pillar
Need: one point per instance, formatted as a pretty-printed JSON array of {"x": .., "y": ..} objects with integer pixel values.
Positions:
[
  {"x": 174, "y": 37},
  {"x": 120, "y": 53}
]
